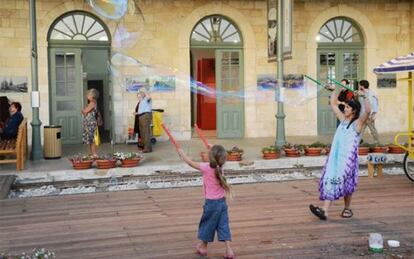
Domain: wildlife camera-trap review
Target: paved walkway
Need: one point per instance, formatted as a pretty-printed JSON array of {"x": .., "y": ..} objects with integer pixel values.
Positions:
[
  {"x": 269, "y": 220},
  {"x": 164, "y": 153}
]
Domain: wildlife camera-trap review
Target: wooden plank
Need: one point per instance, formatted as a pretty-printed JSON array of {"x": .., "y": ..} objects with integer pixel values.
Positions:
[{"x": 269, "y": 220}]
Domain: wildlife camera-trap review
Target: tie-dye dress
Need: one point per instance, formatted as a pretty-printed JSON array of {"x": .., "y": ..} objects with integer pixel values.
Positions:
[{"x": 340, "y": 173}]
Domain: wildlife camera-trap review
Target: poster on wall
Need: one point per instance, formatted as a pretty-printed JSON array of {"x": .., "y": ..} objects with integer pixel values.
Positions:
[
  {"x": 287, "y": 8},
  {"x": 266, "y": 82},
  {"x": 290, "y": 81},
  {"x": 287, "y": 28},
  {"x": 271, "y": 29},
  {"x": 386, "y": 80},
  {"x": 152, "y": 83},
  {"x": 13, "y": 84}
]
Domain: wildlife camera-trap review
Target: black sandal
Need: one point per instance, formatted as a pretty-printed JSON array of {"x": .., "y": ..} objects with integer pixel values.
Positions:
[
  {"x": 347, "y": 213},
  {"x": 318, "y": 212}
]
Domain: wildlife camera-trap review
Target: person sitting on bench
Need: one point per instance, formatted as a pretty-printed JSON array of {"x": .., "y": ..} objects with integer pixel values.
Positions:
[{"x": 10, "y": 129}]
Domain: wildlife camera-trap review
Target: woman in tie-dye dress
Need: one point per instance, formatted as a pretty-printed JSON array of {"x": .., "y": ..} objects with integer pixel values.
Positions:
[{"x": 340, "y": 173}]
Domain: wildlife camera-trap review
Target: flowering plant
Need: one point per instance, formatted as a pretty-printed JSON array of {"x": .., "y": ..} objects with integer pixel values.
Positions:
[
  {"x": 81, "y": 158},
  {"x": 127, "y": 155},
  {"x": 235, "y": 149},
  {"x": 107, "y": 157}
]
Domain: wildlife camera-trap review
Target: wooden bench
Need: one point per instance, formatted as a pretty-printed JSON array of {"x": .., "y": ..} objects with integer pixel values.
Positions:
[{"x": 16, "y": 147}]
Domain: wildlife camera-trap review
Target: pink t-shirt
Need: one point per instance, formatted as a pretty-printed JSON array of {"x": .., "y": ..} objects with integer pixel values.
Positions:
[{"x": 211, "y": 185}]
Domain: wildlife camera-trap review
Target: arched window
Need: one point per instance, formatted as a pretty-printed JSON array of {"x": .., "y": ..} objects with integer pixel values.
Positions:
[
  {"x": 78, "y": 26},
  {"x": 339, "y": 30},
  {"x": 215, "y": 30}
]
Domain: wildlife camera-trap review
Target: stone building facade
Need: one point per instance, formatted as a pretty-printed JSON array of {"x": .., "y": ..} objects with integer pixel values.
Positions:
[{"x": 387, "y": 29}]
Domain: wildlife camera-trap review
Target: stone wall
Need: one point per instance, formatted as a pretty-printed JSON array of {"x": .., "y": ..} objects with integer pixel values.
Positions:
[{"x": 387, "y": 26}]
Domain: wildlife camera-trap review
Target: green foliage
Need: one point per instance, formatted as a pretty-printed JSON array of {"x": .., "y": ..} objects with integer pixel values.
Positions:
[
  {"x": 317, "y": 144},
  {"x": 365, "y": 144},
  {"x": 81, "y": 158},
  {"x": 235, "y": 149},
  {"x": 271, "y": 149}
]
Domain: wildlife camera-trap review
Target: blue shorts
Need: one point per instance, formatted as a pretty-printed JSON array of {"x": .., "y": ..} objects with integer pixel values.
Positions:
[{"x": 215, "y": 218}]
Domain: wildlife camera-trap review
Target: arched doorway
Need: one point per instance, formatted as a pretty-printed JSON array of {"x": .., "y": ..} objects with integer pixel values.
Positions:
[
  {"x": 78, "y": 49},
  {"x": 217, "y": 62},
  {"x": 340, "y": 54}
]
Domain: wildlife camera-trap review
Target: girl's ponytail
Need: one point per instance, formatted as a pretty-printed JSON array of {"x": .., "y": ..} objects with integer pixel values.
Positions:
[
  {"x": 217, "y": 157},
  {"x": 222, "y": 179}
]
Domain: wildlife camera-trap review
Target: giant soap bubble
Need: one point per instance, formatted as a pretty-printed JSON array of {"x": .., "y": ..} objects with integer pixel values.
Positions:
[{"x": 111, "y": 9}]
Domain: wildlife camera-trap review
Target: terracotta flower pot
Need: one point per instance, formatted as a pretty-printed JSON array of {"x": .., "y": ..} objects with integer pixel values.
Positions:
[
  {"x": 363, "y": 151},
  {"x": 105, "y": 164},
  {"x": 327, "y": 150},
  {"x": 130, "y": 162},
  {"x": 313, "y": 151},
  {"x": 204, "y": 157},
  {"x": 271, "y": 155},
  {"x": 395, "y": 149},
  {"x": 234, "y": 156},
  {"x": 379, "y": 149},
  {"x": 291, "y": 152},
  {"x": 79, "y": 165}
]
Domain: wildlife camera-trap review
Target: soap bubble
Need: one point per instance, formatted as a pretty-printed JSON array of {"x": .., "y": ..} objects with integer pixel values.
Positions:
[
  {"x": 296, "y": 90},
  {"x": 111, "y": 9}
]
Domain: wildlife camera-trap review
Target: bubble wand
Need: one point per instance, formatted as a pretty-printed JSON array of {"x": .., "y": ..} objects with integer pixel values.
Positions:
[
  {"x": 201, "y": 135},
  {"x": 177, "y": 146},
  {"x": 341, "y": 85}
]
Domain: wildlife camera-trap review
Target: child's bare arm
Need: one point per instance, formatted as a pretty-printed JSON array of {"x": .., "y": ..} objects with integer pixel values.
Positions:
[
  {"x": 363, "y": 118},
  {"x": 188, "y": 160}
]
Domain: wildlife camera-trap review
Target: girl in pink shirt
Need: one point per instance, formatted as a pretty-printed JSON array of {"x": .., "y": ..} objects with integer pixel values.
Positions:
[{"x": 215, "y": 212}]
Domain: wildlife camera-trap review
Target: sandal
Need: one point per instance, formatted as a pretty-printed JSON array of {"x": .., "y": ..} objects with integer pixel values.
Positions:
[
  {"x": 347, "y": 213},
  {"x": 318, "y": 212}
]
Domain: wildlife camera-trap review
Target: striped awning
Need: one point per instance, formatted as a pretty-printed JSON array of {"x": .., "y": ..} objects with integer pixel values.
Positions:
[{"x": 400, "y": 64}]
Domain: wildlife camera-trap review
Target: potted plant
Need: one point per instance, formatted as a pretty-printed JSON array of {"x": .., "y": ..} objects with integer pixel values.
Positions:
[
  {"x": 292, "y": 150},
  {"x": 234, "y": 154},
  {"x": 314, "y": 149},
  {"x": 128, "y": 159},
  {"x": 270, "y": 152},
  {"x": 80, "y": 161},
  {"x": 379, "y": 148},
  {"x": 363, "y": 149},
  {"x": 394, "y": 149},
  {"x": 106, "y": 162}
]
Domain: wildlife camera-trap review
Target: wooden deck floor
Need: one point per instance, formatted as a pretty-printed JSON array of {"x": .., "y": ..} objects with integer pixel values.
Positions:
[{"x": 268, "y": 220}]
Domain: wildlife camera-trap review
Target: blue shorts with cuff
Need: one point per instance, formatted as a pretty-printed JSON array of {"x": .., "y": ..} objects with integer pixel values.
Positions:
[{"x": 215, "y": 218}]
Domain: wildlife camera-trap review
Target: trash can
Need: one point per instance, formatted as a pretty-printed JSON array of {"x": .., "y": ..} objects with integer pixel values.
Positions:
[{"x": 52, "y": 146}]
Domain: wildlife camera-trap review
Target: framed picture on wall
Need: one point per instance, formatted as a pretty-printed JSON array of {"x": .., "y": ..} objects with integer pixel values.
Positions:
[
  {"x": 271, "y": 29},
  {"x": 287, "y": 28},
  {"x": 386, "y": 80},
  {"x": 272, "y": 26},
  {"x": 10, "y": 84}
]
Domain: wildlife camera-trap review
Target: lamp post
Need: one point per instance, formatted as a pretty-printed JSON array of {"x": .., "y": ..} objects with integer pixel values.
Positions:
[
  {"x": 280, "y": 116},
  {"x": 36, "y": 153}
]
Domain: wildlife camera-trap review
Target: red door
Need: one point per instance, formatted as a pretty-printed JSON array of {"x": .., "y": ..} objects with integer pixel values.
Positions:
[{"x": 206, "y": 105}]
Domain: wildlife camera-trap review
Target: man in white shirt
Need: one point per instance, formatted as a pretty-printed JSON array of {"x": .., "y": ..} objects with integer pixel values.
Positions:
[
  {"x": 144, "y": 113},
  {"x": 373, "y": 100}
]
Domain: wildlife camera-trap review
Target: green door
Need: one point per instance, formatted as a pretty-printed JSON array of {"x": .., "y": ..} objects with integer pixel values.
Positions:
[
  {"x": 336, "y": 64},
  {"x": 230, "y": 97},
  {"x": 66, "y": 93}
]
